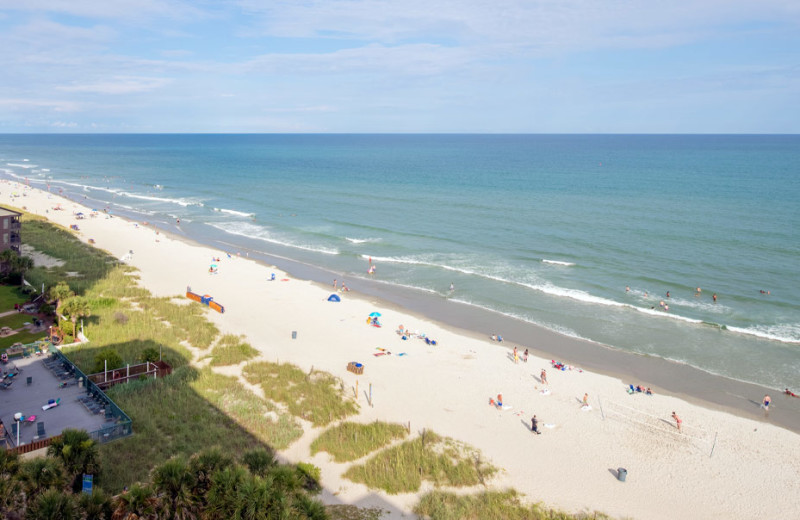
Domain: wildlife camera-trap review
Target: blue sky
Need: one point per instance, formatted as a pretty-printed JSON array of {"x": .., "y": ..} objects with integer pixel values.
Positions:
[{"x": 493, "y": 66}]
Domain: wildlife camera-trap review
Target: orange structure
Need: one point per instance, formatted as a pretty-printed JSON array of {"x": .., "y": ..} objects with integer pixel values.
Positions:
[{"x": 205, "y": 300}]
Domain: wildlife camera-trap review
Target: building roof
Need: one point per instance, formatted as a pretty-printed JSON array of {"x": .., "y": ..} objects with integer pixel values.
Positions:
[{"x": 4, "y": 212}]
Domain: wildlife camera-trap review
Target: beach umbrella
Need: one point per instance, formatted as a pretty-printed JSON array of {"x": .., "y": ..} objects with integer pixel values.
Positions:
[{"x": 375, "y": 315}]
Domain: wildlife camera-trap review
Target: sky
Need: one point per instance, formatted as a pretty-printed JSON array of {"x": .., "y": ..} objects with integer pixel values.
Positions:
[{"x": 400, "y": 66}]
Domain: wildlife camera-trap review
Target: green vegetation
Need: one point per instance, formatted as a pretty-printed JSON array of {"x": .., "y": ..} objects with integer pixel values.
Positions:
[
  {"x": 90, "y": 263},
  {"x": 441, "y": 505},
  {"x": 231, "y": 350},
  {"x": 315, "y": 397},
  {"x": 206, "y": 486},
  {"x": 9, "y": 295},
  {"x": 402, "y": 468},
  {"x": 16, "y": 320},
  {"x": 185, "y": 413},
  {"x": 350, "y": 441}
]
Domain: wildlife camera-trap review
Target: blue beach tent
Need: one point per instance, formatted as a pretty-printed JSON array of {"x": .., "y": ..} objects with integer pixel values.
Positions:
[{"x": 334, "y": 298}]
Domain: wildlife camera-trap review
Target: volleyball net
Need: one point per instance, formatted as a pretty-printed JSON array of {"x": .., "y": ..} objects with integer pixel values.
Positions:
[{"x": 702, "y": 439}]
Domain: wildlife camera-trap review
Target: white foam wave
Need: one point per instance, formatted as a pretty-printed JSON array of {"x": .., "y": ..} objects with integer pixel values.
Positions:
[
  {"x": 786, "y": 333},
  {"x": 362, "y": 240},
  {"x": 180, "y": 202},
  {"x": 557, "y": 262},
  {"x": 246, "y": 229},
  {"x": 234, "y": 212},
  {"x": 18, "y": 165}
]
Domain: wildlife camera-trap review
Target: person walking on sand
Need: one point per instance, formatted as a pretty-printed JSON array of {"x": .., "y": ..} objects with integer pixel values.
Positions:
[
  {"x": 678, "y": 420},
  {"x": 543, "y": 377},
  {"x": 516, "y": 356},
  {"x": 535, "y": 425},
  {"x": 765, "y": 402},
  {"x": 525, "y": 356}
]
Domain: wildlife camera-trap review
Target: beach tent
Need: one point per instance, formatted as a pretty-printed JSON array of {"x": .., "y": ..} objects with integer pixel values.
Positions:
[{"x": 334, "y": 298}]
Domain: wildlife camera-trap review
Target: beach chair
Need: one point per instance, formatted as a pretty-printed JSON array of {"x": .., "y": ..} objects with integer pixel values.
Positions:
[{"x": 40, "y": 430}]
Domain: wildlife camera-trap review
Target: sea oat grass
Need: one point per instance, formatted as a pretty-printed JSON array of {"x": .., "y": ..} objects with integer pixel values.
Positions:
[
  {"x": 440, "y": 460},
  {"x": 442, "y": 505},
  {"x": 351, "y": 441},
  {"x": 231, "y": 350},
  {"x": 315, "y": 397}
]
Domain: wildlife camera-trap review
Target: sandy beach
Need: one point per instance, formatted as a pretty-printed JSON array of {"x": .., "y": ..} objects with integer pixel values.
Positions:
[{"x": 730, "y": 460}]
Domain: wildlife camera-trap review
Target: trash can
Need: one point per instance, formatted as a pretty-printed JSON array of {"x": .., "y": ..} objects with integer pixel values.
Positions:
[
  {"x": 622, "y": 473},
  {"x": 294, "y": 334}
]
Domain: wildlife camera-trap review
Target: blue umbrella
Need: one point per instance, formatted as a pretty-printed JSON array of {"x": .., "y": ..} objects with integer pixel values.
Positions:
[{"x": 374, "y": 314}]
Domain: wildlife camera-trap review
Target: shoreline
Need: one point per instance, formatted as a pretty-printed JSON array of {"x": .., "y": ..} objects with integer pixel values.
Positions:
[
  {"x": 446, "y": 388},
  {"x": 680, "y": 380}
]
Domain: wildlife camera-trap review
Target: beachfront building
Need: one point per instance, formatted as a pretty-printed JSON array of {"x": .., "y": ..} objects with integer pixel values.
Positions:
[{"x": 10, "y": 230}]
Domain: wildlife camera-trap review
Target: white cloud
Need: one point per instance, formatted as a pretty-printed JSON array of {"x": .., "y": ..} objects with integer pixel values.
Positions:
[
  {"x": 20, "y": 104},
  {"x": 118, "y": 85},
  {"x": 108, "y": 9}
]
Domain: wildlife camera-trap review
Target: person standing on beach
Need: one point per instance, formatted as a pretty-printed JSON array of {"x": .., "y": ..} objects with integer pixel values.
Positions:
[
  {"x": 678, "y": 421},
  {"x": 765, "y": 402},
  {"x": 535, "y": 425},
  {"x": 516, "y": 356},
  {"x": 525, "y": 356},
  {"x": 335, "y": 283},
  {"x": 543, "y": 377},
  {"x": 586, "y": 399}
]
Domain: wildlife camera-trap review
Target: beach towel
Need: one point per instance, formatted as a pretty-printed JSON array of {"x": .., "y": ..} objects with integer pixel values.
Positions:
[{"x": 402, "y": 354}]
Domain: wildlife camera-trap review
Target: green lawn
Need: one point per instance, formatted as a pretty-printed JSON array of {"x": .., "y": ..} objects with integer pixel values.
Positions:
[{"x": 9, "y": 295}]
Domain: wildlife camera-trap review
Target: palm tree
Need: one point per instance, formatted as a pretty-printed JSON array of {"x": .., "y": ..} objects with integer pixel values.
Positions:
[
  {"x": 12, "y": 496},
  {"x": 53, "y": 504},
  {"x": 223, "y": 496},
  {"x": 76, "y": 307},
  {"x": 42, "y": 473},
  {"x": 259, "y": 461},
  {"x": 78, "y": 452},
  {"x": 59, "y": 293},
  {"x": 96, "y": 506},
  {"x": 136, "y": 504},
  {"x": 7, "y": 258},
  {"x": 22, "y": 264},
  {"x": 308, "y": 508},
  {"x": 173, "y": 483},
  {"x": 203, "y": 466}
]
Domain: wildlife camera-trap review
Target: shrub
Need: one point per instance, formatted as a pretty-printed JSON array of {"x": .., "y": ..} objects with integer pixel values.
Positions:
[
  {"x": 150, "y": 354},
  {"x": 107, "y": 359}
]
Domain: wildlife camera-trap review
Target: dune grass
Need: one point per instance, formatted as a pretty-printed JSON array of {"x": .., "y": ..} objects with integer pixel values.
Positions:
[
  {"x": 183, "y": 414},
  {"x": 259, "y": 417},
  {"x": 351, "y": 441},
  {"x": 90, "y": 263},
  {"x": 442, "y": 505},
  {"x": 231, "y": 350},
  {"x": 441, "y": 460},
  {"x": 315, "y": 397}
]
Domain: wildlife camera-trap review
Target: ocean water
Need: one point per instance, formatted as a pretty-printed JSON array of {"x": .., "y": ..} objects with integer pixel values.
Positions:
[{"x": 549, "y": 229}]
